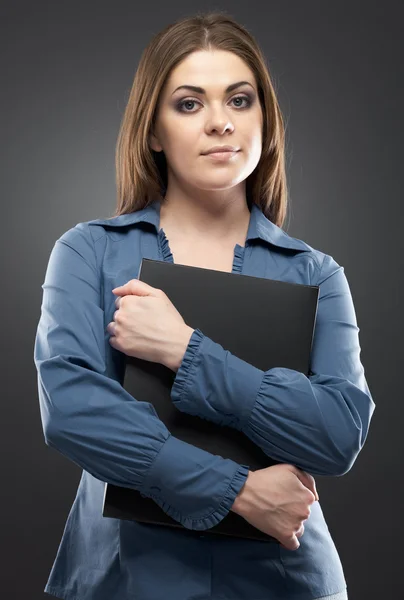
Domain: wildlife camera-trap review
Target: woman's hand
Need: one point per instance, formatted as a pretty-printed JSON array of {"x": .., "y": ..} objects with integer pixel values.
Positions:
[
  {"x": 147, "y": 325},
  {"x": 277, "y": 500}
]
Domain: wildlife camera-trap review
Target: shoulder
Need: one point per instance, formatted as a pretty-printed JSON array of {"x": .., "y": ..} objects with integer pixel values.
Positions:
[
  {"x": 94, "y": 229},
  {"x": 96, "y": 240},
  {"x": 298, "y": 252},
  {"x": 82, "y": 238},
  {"x": 293, "y": 249},
  {"x": 325, "y": 263}
]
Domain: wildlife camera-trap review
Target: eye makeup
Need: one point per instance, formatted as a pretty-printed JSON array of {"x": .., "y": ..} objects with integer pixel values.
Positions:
[{"x": 247, "y": 98}]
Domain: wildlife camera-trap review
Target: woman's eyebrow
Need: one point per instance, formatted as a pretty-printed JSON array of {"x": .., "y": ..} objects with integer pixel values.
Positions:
[{"x": 200, "y": 90}]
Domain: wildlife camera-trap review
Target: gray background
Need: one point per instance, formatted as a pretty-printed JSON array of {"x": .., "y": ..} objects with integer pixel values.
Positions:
[{"x": 66, "y": 72}]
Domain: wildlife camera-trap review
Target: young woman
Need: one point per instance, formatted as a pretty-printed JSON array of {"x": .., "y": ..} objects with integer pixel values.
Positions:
[{"x": 201, "y": 181}]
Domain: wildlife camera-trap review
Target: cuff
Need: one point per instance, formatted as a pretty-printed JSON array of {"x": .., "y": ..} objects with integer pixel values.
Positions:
[
  {"x": 192, "y": 486},
  {"x": 184, "y": 371}
]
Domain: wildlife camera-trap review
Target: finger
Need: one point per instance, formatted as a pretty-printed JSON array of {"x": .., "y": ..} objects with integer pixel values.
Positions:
[
  {"x": 111, "y": 328},
  {"x": 303, "y": 478},
  {"x": 135, "y": 286},
  {"x": 312, "y": 485},
  {"x": 290, "y": 543},
  {"x": 299, "y": 533}
]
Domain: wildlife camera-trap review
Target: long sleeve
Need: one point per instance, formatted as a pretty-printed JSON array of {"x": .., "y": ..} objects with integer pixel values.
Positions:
[
  {"x": 318, "y": 423},
  {"x": 92, "y": 420}
]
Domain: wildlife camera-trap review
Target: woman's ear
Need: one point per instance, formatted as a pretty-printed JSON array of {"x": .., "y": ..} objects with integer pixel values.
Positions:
[{"x": 154, "y": 143}]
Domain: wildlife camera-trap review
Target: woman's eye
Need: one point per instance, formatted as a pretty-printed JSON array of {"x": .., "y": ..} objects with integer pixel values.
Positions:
[{"x": 185, "y": 103}]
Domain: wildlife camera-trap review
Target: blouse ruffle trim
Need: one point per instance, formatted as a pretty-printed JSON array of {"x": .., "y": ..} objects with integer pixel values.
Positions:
[
  {"x": 238, "y": 258},
  {"x": 218, "y": 515},
  {"x": 164, "y": 246},
  {"x": 184, "y": 369}
]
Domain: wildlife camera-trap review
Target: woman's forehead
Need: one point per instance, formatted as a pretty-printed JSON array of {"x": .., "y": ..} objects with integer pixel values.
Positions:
[{"x": 214, "y": 70}]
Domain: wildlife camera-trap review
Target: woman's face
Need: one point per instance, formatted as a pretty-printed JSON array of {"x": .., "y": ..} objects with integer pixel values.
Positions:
[{"x": 190, "y": 122}]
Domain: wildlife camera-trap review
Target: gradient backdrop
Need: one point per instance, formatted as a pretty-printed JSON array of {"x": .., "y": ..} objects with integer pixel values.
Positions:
[{"x": 66, "y": 72}]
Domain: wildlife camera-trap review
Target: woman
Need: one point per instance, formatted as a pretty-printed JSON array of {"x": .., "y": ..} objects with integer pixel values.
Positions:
[{"x": 177, "y": 201}]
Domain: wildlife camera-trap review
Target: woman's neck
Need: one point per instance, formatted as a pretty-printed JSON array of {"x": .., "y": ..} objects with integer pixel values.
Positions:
[{"x": 193, "y": 220}]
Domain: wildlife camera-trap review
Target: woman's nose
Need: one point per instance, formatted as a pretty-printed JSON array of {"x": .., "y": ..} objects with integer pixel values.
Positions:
[{"x": 219, "y": 123}]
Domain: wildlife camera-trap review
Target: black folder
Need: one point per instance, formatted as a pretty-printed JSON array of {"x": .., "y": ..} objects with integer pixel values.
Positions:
[{"x": 266, "y": 322}]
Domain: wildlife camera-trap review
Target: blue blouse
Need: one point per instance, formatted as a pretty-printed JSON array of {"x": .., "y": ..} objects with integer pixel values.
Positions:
[{"x": 318, "y": 423}]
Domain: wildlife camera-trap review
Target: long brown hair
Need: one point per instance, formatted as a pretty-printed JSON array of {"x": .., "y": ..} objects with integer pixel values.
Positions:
[{"x": 141, "y": 173}]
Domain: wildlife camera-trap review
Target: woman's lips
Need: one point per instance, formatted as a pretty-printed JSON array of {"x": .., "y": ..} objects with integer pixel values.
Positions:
[{"x": 222, "y": 156}]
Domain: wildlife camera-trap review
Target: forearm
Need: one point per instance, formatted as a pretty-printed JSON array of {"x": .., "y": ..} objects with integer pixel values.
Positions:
[{"x": 324, "y": 438}]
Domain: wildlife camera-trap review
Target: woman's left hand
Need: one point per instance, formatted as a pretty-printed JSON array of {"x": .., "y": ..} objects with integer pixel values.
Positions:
[{"x": 147, "y": 325}]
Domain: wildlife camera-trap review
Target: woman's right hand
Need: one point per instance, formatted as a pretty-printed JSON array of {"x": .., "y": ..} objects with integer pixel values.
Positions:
[{"x": 277, "y": 501}]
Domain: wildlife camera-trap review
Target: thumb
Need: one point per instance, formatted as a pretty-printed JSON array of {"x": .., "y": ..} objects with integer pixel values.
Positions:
[
  {"x": 308, "y": 481},
  {"x": 136, "y": 287}
]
